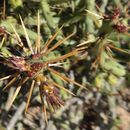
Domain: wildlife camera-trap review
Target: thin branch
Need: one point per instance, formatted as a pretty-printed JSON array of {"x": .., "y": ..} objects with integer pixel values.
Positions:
[
  {"x": 19, "y": 39},
  {"x": 43, "y": 106},
  {"x": 27, "y": 37},
  {"x": 6, "y": 77},
  {"x": 59, "y": 43},
  {"x": 37, "y": 49},
  {"x": 29, "y": 96},
  {"x": 61, "y": 87},
  {"x": 17, "y": 90},
  {"x": 16, "y": 116},
  {"x": 63, "y": 56},
  {"x": 118, "y": 49},
  {"x": 44, "y": 49},
  {"x": 10, "y": 83},
  {"x": 65, "y": 78}
]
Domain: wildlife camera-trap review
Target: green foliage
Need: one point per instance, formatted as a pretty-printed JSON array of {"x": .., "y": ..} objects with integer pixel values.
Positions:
[{"x": 104, "y": 64}]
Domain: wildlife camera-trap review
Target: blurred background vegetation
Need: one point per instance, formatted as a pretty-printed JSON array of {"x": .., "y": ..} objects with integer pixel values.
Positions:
[{"x": 101, "y": 27}]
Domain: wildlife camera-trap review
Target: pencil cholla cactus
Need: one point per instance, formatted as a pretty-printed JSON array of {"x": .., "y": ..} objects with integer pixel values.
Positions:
[{"x": 30, "y": 66}]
